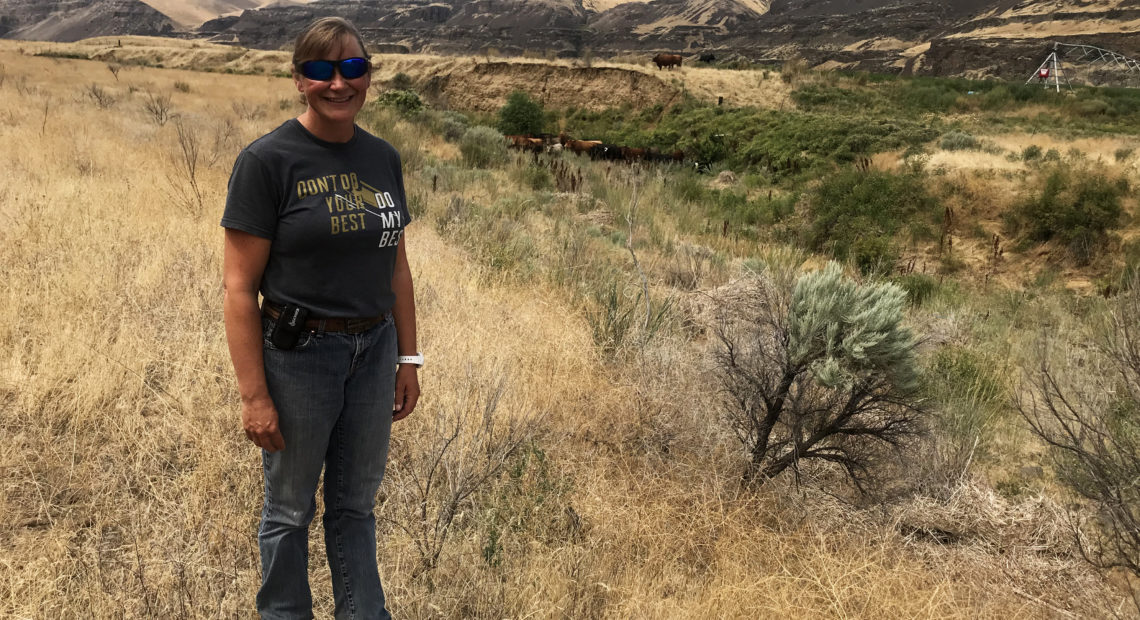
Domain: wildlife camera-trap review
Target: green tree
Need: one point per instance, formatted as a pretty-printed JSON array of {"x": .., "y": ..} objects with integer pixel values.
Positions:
[
  {"x": 521, "y": 115},
  {"x": 821, "y": 371}
]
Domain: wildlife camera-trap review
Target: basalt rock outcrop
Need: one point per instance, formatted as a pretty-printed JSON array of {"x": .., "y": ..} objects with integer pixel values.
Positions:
[{"x": 980, "y": 38}]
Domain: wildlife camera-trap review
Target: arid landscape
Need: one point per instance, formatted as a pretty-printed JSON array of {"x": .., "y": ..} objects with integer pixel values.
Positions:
[
  {"x": 966, "y": 38},
  {"x": 572, "y": 311}
]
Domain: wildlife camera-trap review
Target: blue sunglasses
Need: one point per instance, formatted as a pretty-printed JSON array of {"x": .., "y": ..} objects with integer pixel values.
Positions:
[{"x": 322, "y": 70}]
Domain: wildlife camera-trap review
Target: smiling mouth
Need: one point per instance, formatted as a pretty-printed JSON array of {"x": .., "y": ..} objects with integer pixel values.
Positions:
[{"x": 338, "y": 99}]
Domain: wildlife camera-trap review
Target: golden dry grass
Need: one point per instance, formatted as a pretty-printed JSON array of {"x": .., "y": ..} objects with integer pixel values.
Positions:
[
  {"x": 468, "y": 88},
  {"x": 129, "y": 490}
]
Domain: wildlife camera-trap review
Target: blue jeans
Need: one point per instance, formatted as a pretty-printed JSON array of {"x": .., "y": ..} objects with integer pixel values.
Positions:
[{"x": 334, "y": 394}]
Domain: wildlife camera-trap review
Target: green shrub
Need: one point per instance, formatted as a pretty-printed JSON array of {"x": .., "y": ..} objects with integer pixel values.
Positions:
[
  {"x": 858, "y": 216},
  {"x": 959, "y": 141},
  {"x": 821, "y": 96},
  {"x": 708, "y": 149},
  {"x": 406, "y": 101},
  {"x": 969, "y": 395},
  {"x": 1131, "y": 274},
  {"x": 482, "y": 147},
  {"x": 1031, "y": 153},
  {"x": 1075, "y": 207},
  {"x": 521, "y": 115},
  {"x": 1122, "y": 154},
  {"x": 453, "y": 125},
  {"x": 534, "y": 177},
  {"x": 919, "y": 287},
  {"x": 400, "y": 81},
  {"x": 617, "y": 315},
  {"x": 687, "y": 186},
  {"x": 826, "y": 372},
  {"x": 784, "y": 143},
  {"x": 1092, "y": 107},
  {"x": 61, "y": 54}
]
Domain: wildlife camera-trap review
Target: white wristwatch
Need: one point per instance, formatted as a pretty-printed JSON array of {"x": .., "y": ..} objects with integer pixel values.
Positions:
[{"x": 417, "y": 359}]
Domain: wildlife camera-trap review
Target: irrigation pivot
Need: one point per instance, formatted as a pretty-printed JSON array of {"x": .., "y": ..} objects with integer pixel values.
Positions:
[{"x": 1052, "y": 72}]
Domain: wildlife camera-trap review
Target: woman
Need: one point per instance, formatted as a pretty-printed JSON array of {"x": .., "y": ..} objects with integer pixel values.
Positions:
[{"x": 314, "y": 221}]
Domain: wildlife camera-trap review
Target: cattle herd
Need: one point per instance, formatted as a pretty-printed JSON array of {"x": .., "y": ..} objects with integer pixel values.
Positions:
[
  {"x": 594, "y": 149},
  {"x": 598, "y": 150}
]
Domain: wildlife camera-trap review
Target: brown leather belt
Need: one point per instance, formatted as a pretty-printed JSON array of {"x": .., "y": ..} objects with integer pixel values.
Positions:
[{"x": 335, "y": 325}]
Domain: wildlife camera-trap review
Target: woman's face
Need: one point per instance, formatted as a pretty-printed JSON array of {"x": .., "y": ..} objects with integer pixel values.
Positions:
[{"x": 336, "y": 100}]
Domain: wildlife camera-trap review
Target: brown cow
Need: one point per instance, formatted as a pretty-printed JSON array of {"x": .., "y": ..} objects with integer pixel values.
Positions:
[
  {"x": 667, "y": 60},
  {"x": 632, "y": 154},
  {"x": 525, "y": 143},
  {"x": 581, "y": 146}
]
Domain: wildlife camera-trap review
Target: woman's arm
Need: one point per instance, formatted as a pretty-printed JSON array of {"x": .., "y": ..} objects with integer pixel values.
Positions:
[
  {"x": 244, "y": 261},
  {"x": 404, "y": 314}
]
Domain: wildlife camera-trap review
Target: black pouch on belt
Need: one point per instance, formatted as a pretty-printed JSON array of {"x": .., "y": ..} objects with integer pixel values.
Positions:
[{"x": 290, "y": 324}]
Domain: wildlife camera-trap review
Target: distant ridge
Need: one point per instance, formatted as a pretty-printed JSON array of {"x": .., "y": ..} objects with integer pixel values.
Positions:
[
  {"x": 72, "y": 20},
  {"x": 190, "y": 14},
  {"x": 975, "y": 38}
]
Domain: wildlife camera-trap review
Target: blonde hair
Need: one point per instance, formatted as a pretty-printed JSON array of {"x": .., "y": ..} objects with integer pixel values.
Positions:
[{"x": 321, "y": 36}]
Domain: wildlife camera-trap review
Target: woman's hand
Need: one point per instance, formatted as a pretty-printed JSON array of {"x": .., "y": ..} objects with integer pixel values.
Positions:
[
  {"x": 407, "y": 391},
  {"x": 404, "y": 314},
  {"x": 245, "y": 258},
  {"x": 259, "y": 419}
]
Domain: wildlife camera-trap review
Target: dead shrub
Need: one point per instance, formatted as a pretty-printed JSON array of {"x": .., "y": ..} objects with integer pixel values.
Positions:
[
  {"x": 102, "y": 97},
  {"x": 158, "y": 107}
]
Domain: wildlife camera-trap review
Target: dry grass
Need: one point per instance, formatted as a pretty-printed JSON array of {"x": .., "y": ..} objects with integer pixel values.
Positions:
[
  {"x": 129, "y": 490},
  {"x": 603, "y": 84}
]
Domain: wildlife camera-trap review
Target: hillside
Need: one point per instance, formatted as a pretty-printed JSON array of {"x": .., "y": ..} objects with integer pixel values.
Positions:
[
  {"x": 472, "y": 84},
  {"x": 190, "y": 14},
  {"x": 978, "y": 38},
  {"x": 998, "y": 37},
  {"x": 72, "y": 20}
]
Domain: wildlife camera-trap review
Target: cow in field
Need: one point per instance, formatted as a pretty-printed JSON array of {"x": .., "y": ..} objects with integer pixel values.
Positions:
[
  {"x": 607, "y": 152},
  {"x": 631, "y": 154},
  {"x": 525, "y": 143},
  {"x": 667, "y": 60},
  {"x": 581, "y": 146},
  {"x": 707, "y": 57}
]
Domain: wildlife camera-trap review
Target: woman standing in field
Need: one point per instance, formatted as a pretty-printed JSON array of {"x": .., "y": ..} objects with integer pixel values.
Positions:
[{"x": 314, "y": 221}]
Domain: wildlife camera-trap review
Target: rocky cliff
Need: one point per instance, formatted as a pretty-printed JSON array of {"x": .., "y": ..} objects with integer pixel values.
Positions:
[
  {"x": 982, "y": 38},
  {"x": 71, "y": 20}
]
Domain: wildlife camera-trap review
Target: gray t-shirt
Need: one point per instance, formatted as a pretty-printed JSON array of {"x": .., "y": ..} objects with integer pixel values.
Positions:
[{"x": 335, "y": 213}]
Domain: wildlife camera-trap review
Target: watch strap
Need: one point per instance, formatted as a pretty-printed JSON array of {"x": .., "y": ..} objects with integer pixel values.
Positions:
[{"x": 417, "y": 359}]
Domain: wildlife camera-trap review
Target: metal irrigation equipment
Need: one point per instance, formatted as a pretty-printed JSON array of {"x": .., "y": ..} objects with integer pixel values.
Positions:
[{"x": 1052, "y": 72}]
